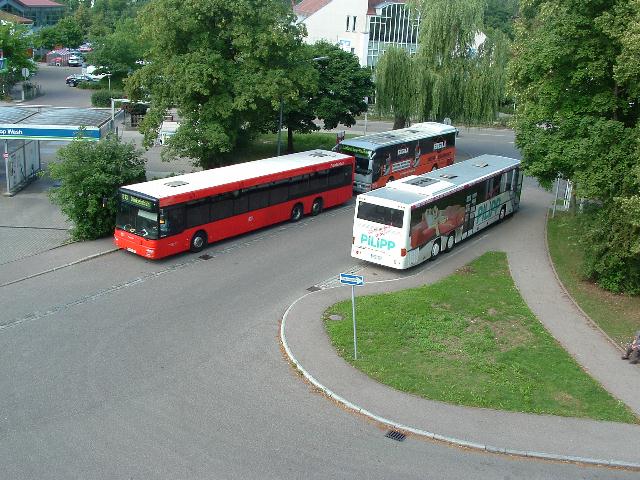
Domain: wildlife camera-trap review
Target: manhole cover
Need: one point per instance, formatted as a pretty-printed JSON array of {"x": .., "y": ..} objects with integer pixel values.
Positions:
[{"x": 395, "y": 435}]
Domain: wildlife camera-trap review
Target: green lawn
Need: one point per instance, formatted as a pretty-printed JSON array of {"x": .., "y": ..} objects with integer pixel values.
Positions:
[
  {"x": 618, "y": 315},
  {"x": 470, "y": 340}
]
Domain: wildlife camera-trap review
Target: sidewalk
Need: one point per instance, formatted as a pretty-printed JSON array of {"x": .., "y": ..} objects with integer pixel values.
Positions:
[{"x": 541, "y": 436}]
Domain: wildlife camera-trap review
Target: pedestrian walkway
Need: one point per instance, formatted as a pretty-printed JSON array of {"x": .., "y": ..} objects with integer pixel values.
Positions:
[{"x": 541, "y": 436}]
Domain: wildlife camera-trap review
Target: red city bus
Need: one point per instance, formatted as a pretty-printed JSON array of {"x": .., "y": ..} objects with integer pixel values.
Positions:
[
  {"x": 387, "y": 156},
  {"x": 175, "y": 214}
]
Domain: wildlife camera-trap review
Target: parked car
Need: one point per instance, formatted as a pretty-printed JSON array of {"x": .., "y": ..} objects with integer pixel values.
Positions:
[
  {"x": 75, "y": 61},
  {"x": 74, "y": 80}
]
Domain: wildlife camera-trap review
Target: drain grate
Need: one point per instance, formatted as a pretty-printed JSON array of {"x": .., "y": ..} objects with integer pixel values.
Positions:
[
  {"x": 314, "y": 289},
  {"x": 205, "y": 256},
  {"x": 395, "y": 435}
]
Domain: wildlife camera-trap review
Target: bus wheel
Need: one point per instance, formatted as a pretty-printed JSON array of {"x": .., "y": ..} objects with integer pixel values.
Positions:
[
  {"x": 198, "y": 241},
  {"x": 503, "y": 213},
  {"x": 435, "y": 167},
  {"x": 316, "y": 208},
  {"x": 435, "y": 249},
  {"x": 391, "y": 179},
  {"x": 451, "y": 242},
  {"x": 296, "y": 212}
]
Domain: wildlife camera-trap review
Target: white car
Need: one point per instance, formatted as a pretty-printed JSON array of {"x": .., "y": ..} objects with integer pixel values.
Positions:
[{"x": 75, "y": 61}]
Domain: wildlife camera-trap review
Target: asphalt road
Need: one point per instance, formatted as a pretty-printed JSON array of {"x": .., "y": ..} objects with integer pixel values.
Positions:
[{"x": 121, "y": 367}]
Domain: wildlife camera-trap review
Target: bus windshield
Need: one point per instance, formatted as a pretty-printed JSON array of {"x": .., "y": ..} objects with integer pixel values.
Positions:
[
  {"x": 363, "y": 165},
  {"x": 137, "y": 221},
  {"x": 379, "y": 214}
]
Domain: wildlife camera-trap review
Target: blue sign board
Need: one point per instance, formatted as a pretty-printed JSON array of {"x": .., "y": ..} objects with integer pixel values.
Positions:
[
  {"x": 350, "y": 279},
  {"x": 50, "y": 132}
]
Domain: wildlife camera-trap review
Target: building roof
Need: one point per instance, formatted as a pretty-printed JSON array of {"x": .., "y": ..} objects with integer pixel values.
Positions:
[
  {"x": 39, "y": 3},
  {"x": 9, "y": 17},
  {"x": 373, "y": 4},
  {"x": 307, "y": 8}
]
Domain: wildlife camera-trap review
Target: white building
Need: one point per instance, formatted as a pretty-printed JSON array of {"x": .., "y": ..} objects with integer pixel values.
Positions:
[{"x": 363, "y": 27}]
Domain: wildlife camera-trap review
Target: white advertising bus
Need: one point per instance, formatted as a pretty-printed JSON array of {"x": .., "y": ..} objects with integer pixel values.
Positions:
[{"x": 414, "y": 219}]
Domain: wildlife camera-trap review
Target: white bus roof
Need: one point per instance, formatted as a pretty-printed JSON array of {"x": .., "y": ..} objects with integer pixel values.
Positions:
[
  {"x": 417, "y": 189},
  {"x": 392, "y": 137},
  {"x": 193, "y": 182}
]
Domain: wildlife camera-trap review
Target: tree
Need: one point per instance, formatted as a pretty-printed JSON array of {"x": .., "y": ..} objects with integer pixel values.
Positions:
[
  {"x": 223, "y": 64},
  {"x": 119, "y": 51},
  {"x": 67, "y": 32},
  {"x": 457, "y": 74},
  {"x": 15, "y": 43},
  {"x": 90, "y": 174},
  {"x": 395, "y": 85},
  {"x": 575, "y": 77},
  {"x": 335, "y": 93}
]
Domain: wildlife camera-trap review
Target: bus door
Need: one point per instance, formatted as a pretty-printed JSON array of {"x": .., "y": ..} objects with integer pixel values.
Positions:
[
  {"x": 469, "y": 213},
  {"x": 517, "y": 186}
]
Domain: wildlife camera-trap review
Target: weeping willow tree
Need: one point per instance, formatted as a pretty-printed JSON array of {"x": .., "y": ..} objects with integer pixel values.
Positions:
[
  {"x": 394, "y": 85},
  {"x": 459, "y": 70}
]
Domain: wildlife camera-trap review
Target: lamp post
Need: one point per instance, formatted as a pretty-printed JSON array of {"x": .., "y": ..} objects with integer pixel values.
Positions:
[{"x": 315, "y": 59}]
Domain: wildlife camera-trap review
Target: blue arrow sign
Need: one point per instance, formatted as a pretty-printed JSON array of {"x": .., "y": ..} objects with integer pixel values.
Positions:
[{"x": 349, "y": 279}]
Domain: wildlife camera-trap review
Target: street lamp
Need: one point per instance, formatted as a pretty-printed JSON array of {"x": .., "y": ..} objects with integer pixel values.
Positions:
[{"x": 315, "y": 59}]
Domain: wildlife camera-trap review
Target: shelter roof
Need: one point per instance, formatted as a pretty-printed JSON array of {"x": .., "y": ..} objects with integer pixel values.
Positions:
[
  {"x": 66, "y": 116},
  {"x": 15, "y": 114}
]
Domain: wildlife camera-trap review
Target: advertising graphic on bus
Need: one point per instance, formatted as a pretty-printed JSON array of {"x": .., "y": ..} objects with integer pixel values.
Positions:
[
  {"x": 416, "y": 218},
  {"x": 387, "y": 156},
  {"x": 175, "y": 214}
]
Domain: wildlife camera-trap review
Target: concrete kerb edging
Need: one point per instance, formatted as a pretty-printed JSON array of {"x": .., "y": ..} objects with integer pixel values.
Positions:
[
  {"x": 432, "y": 435},
  {"x": 59, "y": 267},
  {"x": 566, "y": 292}
]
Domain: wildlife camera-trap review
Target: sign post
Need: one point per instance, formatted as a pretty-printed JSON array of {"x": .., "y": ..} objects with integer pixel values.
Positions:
[{"x": 354, "y": 281}]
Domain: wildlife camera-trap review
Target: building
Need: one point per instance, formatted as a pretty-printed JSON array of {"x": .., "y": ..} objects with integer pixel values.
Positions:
[
  {"x": 42, "y": 13},
  {"x": 363, "y": 27}
]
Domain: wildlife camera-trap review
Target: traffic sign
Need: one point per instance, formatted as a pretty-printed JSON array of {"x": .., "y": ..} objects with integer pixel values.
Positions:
[{"x": 350, "y": 279}]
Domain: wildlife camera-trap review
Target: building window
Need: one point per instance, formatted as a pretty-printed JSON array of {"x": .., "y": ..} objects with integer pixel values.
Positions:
[
  {"x": 348, "y": 18},
  {"x": 396, "y": 25},
  {"x": 353, "y": 25}
]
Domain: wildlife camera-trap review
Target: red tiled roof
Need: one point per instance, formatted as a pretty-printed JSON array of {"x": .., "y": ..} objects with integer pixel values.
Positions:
[
  {"x": 39, "y": 3},
  {"x": 309, "y": 7}
]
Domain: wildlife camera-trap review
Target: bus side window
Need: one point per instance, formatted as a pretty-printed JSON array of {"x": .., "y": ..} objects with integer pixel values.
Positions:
[
  {"x": 197, "y": 213},
  {"x": 241, "y": 203},
  {"x": 172, "y": 220},
  {"x": 279, "y": 192},
  {"x": 299, "y": 186},
  {"x": 340, "y": 176},
  {"x": 221, "y": 207}
]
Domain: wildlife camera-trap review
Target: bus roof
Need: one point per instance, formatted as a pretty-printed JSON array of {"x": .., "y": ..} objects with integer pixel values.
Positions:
[
  {"x": 418, "y": 189},
  {"x": 392, "y": 137},
  {"x": 207, "y": 179}
]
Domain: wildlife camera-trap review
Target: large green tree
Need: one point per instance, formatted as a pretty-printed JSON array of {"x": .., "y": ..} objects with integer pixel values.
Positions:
[
  {"x": 67, "y": 33},
  {"x": 89, "y": 175},
  {"x": 334, "y": 94},
  {"x": 223, "y": 65},
  {"x": 575, "y": 80},
  {"x": 460, "y": 64},
  {"x": 395, "y": 85},
  {"x": 119, "y": 51},
  {"x": 15, "y": 42}
]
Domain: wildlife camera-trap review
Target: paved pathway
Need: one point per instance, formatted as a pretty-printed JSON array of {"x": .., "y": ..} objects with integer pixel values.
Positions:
[{"x": 522, "y": 237}]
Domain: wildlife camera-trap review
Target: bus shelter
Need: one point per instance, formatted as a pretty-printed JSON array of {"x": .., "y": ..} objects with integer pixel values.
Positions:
[{"x": 23, "y": 128}]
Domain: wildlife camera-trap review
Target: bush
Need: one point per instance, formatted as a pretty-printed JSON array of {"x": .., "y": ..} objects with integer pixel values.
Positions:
[
  {"x": 611, "y": 242},
  {"x": 90, "y": 86},
  {"x": 102, "y": 98},
  {"x": 90, "y": 174}
]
